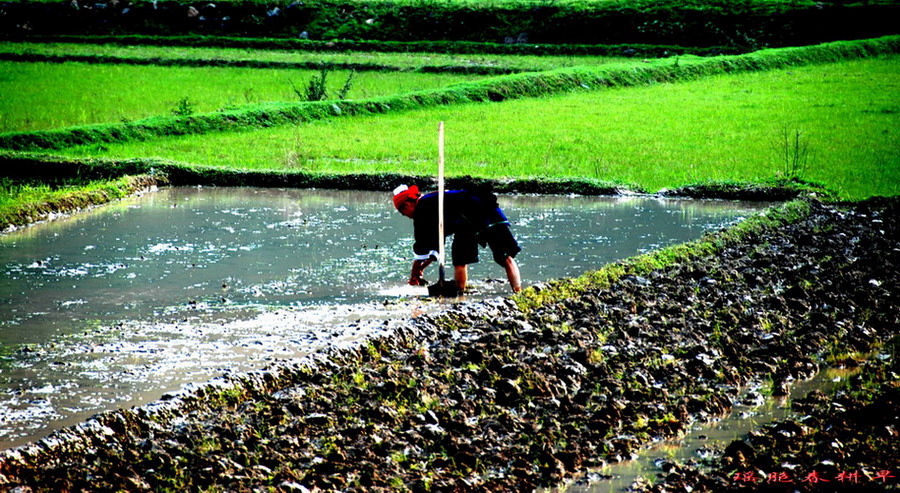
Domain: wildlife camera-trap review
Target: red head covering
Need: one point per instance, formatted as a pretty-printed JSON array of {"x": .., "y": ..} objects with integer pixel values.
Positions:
[{"x": 403, "y": 192}]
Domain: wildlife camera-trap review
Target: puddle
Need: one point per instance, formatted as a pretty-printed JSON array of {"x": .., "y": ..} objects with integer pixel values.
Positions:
[
  {"x": 116, "y": 306},
  {"x": 704, "y": 441}
]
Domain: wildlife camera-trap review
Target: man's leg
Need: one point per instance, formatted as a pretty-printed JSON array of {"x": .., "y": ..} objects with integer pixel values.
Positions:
[
  {"x": 461, "y": 274},
  {"x": 465, "y": 252},
  {"x": 505, "y": 247},
  {"x": 512, "y": 273}
]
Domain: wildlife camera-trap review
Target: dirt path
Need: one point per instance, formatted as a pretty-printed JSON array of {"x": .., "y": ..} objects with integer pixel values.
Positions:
[{"x": 490, "y": 398}]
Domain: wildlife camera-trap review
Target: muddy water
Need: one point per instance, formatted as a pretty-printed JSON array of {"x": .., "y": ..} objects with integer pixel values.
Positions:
[{"x": 116, "y": 306}]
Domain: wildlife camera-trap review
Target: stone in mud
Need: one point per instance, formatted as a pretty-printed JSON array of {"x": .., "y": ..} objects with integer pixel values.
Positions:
[
  {"x": 738, "y": 455},
  {"x": 781, "y": 388},
  {"x": 317, "y": 419}
]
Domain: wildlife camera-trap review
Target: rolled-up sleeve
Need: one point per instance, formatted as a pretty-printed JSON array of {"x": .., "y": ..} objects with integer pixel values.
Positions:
[{"x": 432, "y": 253}]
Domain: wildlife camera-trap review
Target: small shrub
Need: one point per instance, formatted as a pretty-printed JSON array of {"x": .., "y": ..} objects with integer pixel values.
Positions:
[
  {"x": 792, "y": 150},
  {"x": 342, "y": 94},
  {"x": 184, "y": 107},
  {"x": 317, "y": 90},
  {"x": 249, "y": 97}
]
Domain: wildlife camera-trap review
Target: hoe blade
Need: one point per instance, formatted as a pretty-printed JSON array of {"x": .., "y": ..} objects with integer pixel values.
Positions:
[{"x": 446, "y": 289}]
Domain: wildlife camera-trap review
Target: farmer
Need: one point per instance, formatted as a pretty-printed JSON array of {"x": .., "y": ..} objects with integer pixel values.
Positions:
[{"x": 472, "y": 218}]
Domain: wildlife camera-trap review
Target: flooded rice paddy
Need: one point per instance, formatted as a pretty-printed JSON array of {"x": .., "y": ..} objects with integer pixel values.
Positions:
[{"x": 116, "y": 306}]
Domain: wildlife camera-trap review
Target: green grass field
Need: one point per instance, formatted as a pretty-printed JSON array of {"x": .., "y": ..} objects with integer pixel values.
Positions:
[
  {"x": 725, "y": 128},
  {"x": 39, "y": 96}
]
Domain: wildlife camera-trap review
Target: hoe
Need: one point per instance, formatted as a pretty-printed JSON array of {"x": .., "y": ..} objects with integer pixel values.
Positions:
[{"x": 442, "y": 287}]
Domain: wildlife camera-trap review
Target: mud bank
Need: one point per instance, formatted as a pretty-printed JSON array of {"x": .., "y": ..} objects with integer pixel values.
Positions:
[
  {"x": 491, "y": 397},
  {"x": 76, "y": 200}
]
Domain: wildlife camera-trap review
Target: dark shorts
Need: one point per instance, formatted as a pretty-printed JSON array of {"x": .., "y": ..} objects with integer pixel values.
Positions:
[{"x": 498, "y": 237}]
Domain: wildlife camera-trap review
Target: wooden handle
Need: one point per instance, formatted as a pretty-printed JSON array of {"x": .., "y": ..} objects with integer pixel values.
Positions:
[{"x": 441, "y": 197}]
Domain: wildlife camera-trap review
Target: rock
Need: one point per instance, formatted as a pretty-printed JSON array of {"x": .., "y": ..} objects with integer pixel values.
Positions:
[
  {"x": 508, "y": 392},
  {"x": 292, "y": 486},
  {"x": 739, "y": 454},
  {"x": 317, "y": 419}
]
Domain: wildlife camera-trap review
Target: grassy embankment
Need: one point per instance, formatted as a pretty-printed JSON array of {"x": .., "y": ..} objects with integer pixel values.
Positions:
[
  {"x": 50, "y": 95},
  {"x": 24, "y": 203},
  {"x": 635, "y": 4}
]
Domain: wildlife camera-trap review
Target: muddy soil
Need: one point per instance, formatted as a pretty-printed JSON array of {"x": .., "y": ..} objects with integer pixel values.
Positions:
[
  {"x": 487, "y": 397},
  {"x": 845, "y": 441}
]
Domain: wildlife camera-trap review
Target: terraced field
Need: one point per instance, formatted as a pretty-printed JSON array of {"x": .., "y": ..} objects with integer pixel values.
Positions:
[
  {"x": 725, "y": 128},
  {"x": 501, "y": 395}
]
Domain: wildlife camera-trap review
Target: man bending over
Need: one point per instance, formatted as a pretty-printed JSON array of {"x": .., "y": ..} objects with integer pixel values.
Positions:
[{"x": 473, "y": 218}]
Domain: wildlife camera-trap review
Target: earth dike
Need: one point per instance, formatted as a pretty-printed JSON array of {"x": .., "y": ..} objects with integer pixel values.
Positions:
[{"x": 488, "y": 396}]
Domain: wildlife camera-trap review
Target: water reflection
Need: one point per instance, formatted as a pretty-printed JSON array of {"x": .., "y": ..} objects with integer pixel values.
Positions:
[{"x": 117, "y": 305}]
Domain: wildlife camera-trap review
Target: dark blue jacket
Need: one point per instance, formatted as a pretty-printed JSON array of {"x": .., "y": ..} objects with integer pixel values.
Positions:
[{"x": 464, "y": 212}]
